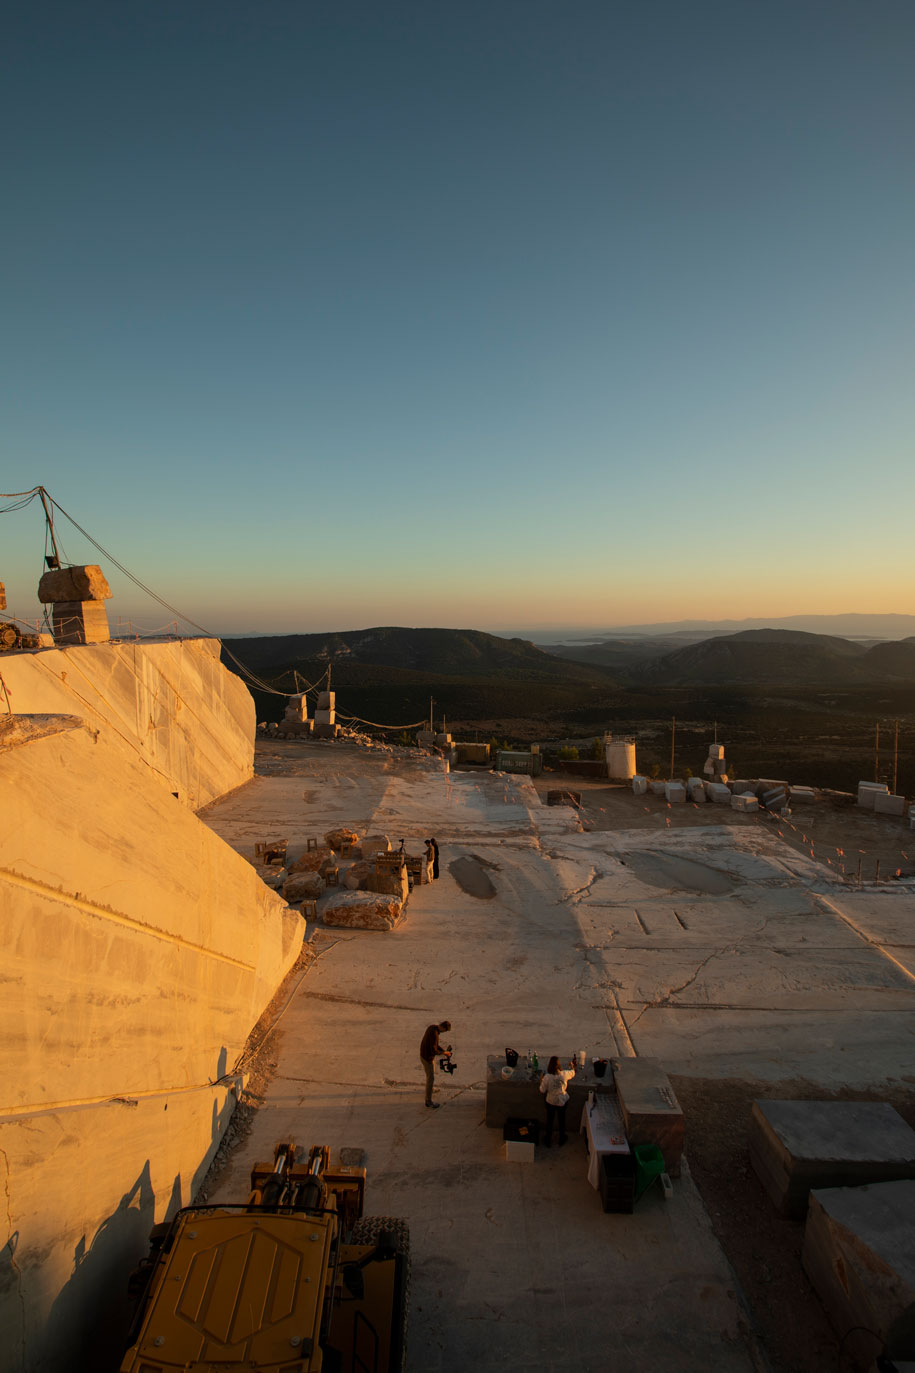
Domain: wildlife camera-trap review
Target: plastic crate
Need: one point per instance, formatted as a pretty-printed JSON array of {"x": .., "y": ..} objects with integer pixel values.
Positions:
[{"x": 616, "y": 1182}]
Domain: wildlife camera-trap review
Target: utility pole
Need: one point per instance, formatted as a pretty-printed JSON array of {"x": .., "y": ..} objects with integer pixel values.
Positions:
[
  {"x": 895, "y": 755},
  {"x": 877, "y": 755},
  {"x": 431, "y": 704},
  {"x": 43, "y": 496},
  {"x": 673, "y": 735}
]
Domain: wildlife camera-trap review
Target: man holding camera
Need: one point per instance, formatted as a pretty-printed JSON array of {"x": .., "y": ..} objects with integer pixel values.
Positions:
[{"x": 429, "y": 1047}]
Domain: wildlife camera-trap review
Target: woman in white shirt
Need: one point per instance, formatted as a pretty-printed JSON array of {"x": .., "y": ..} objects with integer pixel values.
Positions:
[{"x": 553, "y": 1086}]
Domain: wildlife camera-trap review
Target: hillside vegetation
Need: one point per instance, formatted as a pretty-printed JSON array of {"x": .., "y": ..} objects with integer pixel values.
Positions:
[{"x": 785, "y": 703}]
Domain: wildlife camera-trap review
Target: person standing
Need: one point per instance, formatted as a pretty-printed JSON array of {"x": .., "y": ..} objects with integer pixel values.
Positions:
[
  {"x": 433, "y": 845},
  {"x": 553, "y": 1086},
  {"x": 429, "y": 1047}
]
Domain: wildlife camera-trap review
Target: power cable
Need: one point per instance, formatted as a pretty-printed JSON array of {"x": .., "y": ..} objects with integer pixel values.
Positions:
[
  {"x": 357, "y": 719},
  {"x": 246, "y": 671}
]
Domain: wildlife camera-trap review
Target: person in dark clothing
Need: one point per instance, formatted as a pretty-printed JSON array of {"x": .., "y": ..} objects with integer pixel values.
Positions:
[
  {"x": 432, "y": 848},
  {"x": 429, "y": 1047}
]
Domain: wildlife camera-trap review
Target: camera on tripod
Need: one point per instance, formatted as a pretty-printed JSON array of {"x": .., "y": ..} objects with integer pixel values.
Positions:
[{"x": 447, "y": 1064}]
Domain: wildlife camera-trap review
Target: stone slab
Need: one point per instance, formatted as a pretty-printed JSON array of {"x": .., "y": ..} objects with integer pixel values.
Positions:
[
  {"x": 859, "y": 1256},
  {"x": 887, "y": 804},
  {"x": 799, "y": 1145},
  {"x": 355, "y": 910},
  {"x": 651, "y": 1112},
  {"x": 675, "y": 792}
]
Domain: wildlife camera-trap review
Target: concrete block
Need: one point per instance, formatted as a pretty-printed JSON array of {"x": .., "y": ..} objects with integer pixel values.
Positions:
[
  {"x": 327, "y": 700},
  {"x": 675, "y": 793},
  {"x": 720, "y": 767},
  {"x": 764, "y": 784},
  {"x": 887, "y": 804},
  {"x": 799, "y": 1145},
  {"x": 867, "y": 792},
  {"x": 473, "y": 753},
  {"x": 708, "y": 768},
  {"x": 639, "y": 785},
  {"x": 651, "y": 1112},
  {"x": 324, "y": 717},
  {"x": 85, "y": 583},
  {"x": 716, "y": 752},
  {"x": 859, "y": 1257},
  {"x": 800, "y": 796},
  {"x": 297, "y": 707},
  {"x": 323, "y": 731},
  {"x": 374, "y": 843},
  {"x": 718, "y": 793},
  {"x": 745, "y": 802},
  {"x": 80, "y": 622},
  {"x": 774, "y": 798},
  {"x": 425, "y": 738},
  {"x": 657, "y": 788}
]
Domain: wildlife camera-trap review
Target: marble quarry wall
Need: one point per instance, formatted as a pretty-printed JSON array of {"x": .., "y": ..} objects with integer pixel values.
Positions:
[
  {"x": 173, "y": 704},
  {"x": 138, "y": 952}
]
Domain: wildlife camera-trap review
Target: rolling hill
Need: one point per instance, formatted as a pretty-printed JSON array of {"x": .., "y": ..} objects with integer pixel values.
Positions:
[{"x": 782, "y": 656}]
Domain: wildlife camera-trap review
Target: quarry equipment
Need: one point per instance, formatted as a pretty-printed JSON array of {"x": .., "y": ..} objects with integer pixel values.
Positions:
[{"x": 294, "y": 1280}]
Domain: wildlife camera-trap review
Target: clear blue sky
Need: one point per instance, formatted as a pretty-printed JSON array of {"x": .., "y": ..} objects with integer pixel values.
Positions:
[{"x": 323, "y": 315}]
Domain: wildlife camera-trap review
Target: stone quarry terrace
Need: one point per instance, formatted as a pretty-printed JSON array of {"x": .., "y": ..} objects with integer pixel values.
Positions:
[{"x": 714, "y": 948}]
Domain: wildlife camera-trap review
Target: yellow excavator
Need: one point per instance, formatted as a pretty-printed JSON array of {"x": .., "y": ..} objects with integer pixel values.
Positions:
[{"x": 294, "y": 1280}]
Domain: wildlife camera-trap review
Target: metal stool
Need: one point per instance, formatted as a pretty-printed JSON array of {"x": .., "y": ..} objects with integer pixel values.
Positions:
[
  {"x": 310, "y": 844},
  {"x": 309, "y": 908}
]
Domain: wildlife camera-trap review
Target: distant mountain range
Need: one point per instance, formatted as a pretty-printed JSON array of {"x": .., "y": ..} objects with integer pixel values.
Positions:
[
  {"x": 392, "y": 655},
  {"x": 780, "y": 656},
  {"x": 848, "y": 626}
]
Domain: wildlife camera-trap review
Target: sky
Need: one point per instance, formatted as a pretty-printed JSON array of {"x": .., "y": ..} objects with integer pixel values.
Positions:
[{"x": 510, "y": 313}]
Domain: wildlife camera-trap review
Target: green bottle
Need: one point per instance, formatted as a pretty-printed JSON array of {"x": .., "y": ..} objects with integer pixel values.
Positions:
[{"x": 535, "y": 1062}]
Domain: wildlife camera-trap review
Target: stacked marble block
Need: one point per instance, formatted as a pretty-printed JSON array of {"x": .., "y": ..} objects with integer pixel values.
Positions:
[
  {"x": 876, "y": 796},
  {"x": 325, "y": 726},
  {"x": 715, "y": 769},
  {"x": 849, "y": 1167},
  {"x": 77, "y": 598},
  {"x": 295, "y": 719}
]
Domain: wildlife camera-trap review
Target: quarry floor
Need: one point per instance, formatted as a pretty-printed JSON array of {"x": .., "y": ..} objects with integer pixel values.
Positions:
[{"x": 720, "y": 949}]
